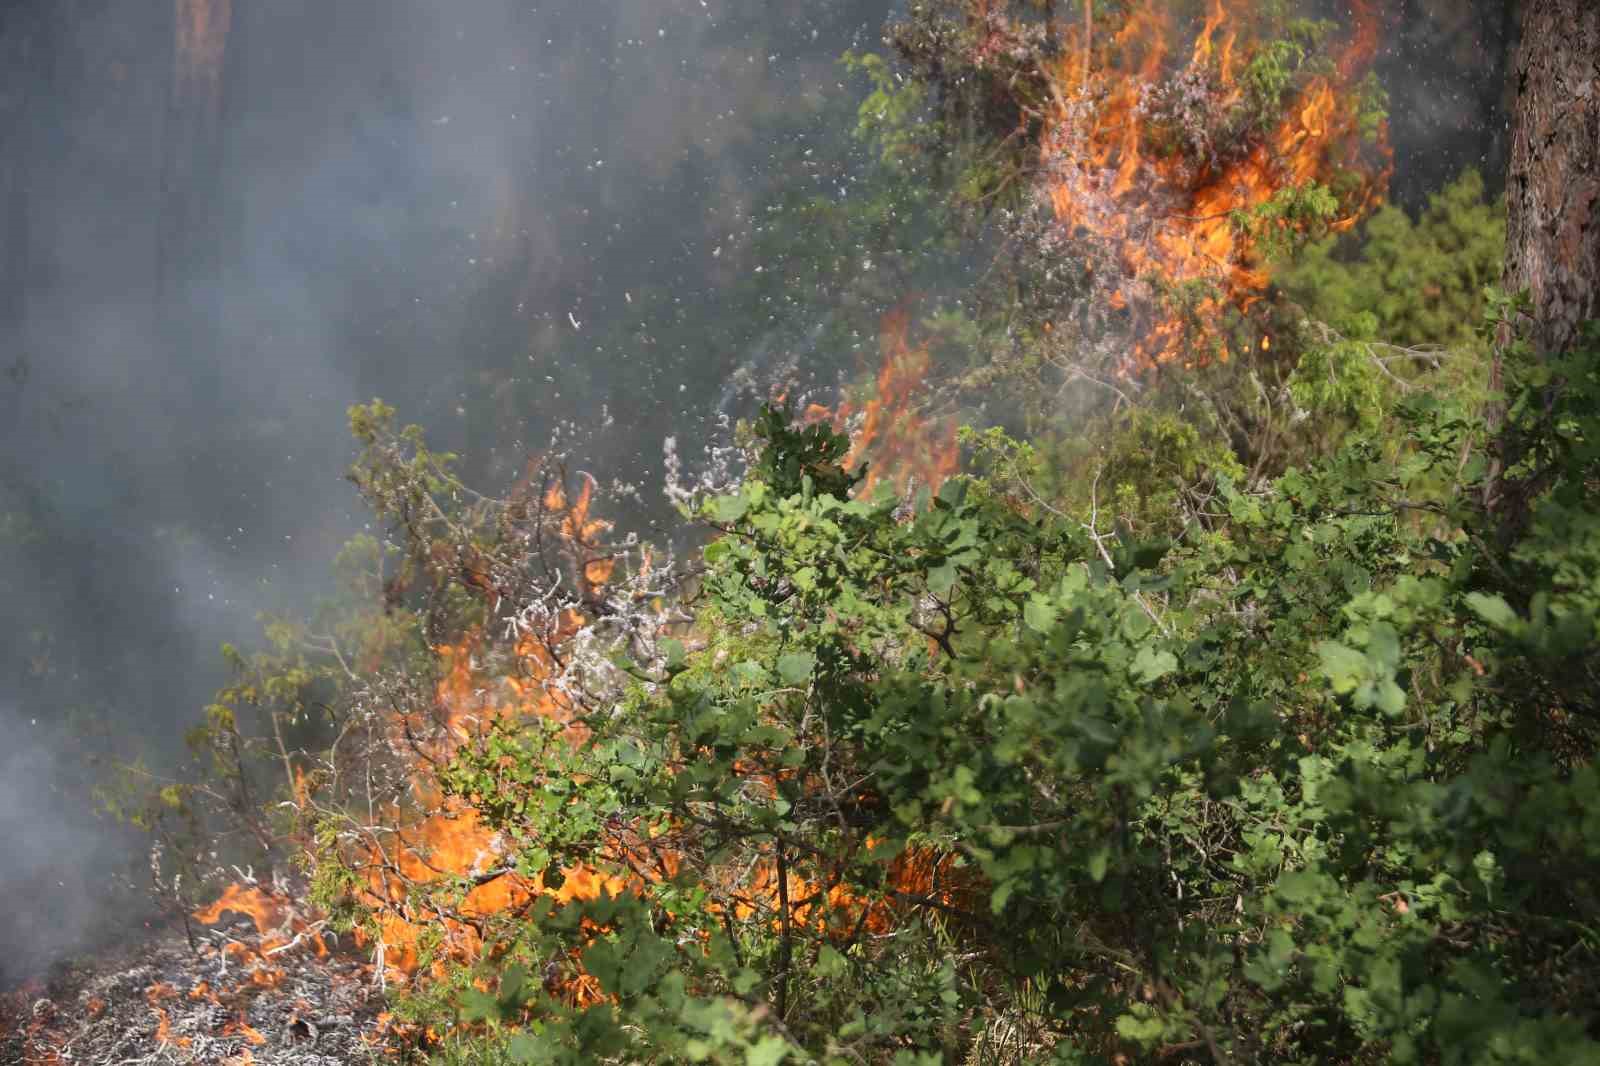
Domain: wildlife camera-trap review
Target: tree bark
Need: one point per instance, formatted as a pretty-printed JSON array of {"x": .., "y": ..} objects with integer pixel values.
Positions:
[
  {"x": 1552, "y": 203},
  {"x": 1553, "y": 195},
  {"x": 20, "y": 69}
]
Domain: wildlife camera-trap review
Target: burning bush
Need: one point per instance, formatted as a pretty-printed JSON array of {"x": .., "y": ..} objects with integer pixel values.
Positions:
[{"x": 1153, "y": 156}]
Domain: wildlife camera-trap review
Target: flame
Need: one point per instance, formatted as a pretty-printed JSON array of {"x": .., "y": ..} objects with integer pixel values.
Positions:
[
  {"x": 278, "y": 921},
  {"x": 448, "y": 839},
  {"x": 582, "y": 531},
  {"x": 899, "y": 443},
  {"x": 1167, "y": 220},
  {"x": 445, "y": 838},
  {"x": 255, "y": 903},
  {"x": 916, "y": 876},
  {"x": 246, "y": 1030}
]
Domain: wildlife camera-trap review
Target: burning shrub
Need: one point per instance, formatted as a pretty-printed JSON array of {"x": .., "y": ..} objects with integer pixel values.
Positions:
[{"x": 1152, "y": 156}]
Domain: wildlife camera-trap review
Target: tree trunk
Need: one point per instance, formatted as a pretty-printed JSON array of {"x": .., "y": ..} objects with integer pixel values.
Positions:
[
  {"x": 16, "y": 37},
  {"x": 188, "y": 255},
  {"x": 1553, "y": 195},
  {"x": 193, "y": 136},
  {"x": 1552, "y": 201},
  {"x": 20, "y": 70}
]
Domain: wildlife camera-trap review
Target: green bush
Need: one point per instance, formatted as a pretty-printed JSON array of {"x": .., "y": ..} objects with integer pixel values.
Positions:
[{"x": 1316, "y": 787}]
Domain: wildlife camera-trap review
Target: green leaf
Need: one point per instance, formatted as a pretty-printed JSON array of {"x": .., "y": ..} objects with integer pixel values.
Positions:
[
  {"x": 1150, "y": 665},
  {"x": 768, "y": 1051},
  {"x": 1383, "y": 648},
  {"x": 729, "y": 508},
  {"x": 1039, "y": 614},
  {"x": 511, "y": 982},
  {"x": 476, "y": 1006},
  {"x": 794, "y": 669},
  {"x": 1098, "y": 860},
  {"x": 1345, "y": 668},
  {"x": 1141, "y": 1025},
  {"x": 1390, "y": 698},
  {"x": 1493, "y": 610},
  {"x": 674, "y": 653}
]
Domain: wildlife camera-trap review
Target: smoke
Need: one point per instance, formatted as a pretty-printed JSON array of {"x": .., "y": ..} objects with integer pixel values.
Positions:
[
  {"x": 1444, "y": 65},
  {"x": 49, "y": 843},
  {"x": 413, "y": 199}
]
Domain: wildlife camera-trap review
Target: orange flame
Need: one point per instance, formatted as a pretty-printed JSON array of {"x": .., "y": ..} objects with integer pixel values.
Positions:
[
  {"x": 1169, "y": 220},
  {"x": 898, "y": 442},
  {"x": 448, "y": 839}
]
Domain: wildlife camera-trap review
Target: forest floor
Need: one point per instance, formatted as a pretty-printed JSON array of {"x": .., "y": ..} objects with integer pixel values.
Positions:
[{"x": 202, "y": 995}]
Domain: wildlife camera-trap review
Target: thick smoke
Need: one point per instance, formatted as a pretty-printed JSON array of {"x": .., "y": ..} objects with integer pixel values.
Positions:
[{"x": 48, "y": 845}]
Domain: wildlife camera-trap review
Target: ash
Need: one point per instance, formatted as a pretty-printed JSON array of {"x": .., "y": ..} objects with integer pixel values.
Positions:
[{"x": 220, "y": 1001}]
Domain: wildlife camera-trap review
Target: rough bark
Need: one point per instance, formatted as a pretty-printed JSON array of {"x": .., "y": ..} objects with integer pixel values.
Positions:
[
  {"x": 1552, "y": 203},
  {"x": 1553, "y": 195},
  {"x": 189, "y": 254}
]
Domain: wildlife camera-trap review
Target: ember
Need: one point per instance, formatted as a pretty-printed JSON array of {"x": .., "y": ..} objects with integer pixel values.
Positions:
[{"x": 166, "y": 1002}]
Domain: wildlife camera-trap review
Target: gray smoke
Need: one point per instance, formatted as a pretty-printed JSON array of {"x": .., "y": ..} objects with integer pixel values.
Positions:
[{"x": 413, "y": 199}]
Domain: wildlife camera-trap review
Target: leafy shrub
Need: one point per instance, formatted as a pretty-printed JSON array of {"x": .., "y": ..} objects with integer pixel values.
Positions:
[{"x": 1314, "y": 787}]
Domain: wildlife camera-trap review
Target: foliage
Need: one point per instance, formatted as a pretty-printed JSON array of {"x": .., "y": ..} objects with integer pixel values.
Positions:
[
  {"x": 1411, "y": 283},
  {"x": 1358, "y": 325},
  {"x": 1313, "y": 786},
  {"x": 1193, "y": 763}
]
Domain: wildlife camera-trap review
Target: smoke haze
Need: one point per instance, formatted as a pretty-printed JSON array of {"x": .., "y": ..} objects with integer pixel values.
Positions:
[{"x": 223, "y": 223}]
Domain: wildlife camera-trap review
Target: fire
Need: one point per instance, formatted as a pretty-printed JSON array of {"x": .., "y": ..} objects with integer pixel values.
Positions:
[
  {"x": 440, "y": 839},
  {"x": 582, "y": 531},
  {"x": 246, "y": 1030},
  {"x": 277, "y": 919},
  {"x": 898, "y": 442},
  {"x": 1172, "y": 219},
  {"x": 446, "y": 839},
  {"x": 834, "y": 910}
]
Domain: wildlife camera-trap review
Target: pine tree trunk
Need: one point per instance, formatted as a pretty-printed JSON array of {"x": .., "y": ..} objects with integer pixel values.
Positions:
[
  {"x": 1552, "y": 200},
  {"x": 19, "y": 69},
  {"x": 189, "y": 258},
  {"x": 1553, "y": 195},
  {"x": 193, "y": 130}
]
